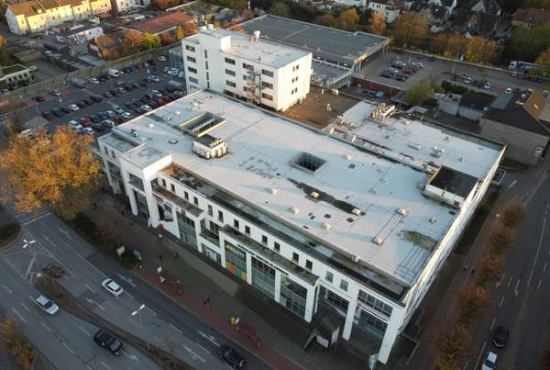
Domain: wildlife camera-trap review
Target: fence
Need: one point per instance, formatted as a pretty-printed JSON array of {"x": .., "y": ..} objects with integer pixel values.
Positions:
[{"x": 63, "y": 81}]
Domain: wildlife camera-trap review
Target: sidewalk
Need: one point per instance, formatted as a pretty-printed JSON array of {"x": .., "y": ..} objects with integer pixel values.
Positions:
[{"x": 201, "y": 280}]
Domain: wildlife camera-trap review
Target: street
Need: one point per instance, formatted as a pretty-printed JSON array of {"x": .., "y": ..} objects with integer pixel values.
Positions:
[
  {"x": 157, "y": 319},
  {"x": 520, "y": 300}
]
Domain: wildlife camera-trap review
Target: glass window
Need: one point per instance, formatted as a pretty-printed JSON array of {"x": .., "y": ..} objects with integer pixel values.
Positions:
[
  {"x": 191, "y": 59},
  {"x": 329, "y": 276},
  {"x": 267, "y": 96},
  {"x": 196, "y": 201},
  {"x": 230, "y": 72},
  {"x": 309, "y": 264},
  {"x": 247, "y": 230},
  {"x": 230, "y": 61},
  {"x": 163, "y": 182},
  {"x": 192, "y": 70},
  {"x": 230, "y": 83},
  {"x": 295, "y": 257},
  {"x": 236, "y": 224},
  {"x": 206, "y": 54},
  {"x": 186, "y": 195},
  {"x": 193, "y": 80},
  {"x": 264, "y": 240},
  {"x": 172, "y": 188},
  {"x": 267, "y": 73},
  {"x": 248, "y": 66},
  {"x": 277, "y": 247},
  {"x": 344, "y": 285},
  {"x": 220, "y": 216},
  {"x": 210, "y": 211},
  {"x": 267, "y": 85}
]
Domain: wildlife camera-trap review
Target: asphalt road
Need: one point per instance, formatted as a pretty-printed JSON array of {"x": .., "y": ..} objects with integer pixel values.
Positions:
[
  {"x": 64, "y": 340},
  {"x": 161, "y": 322},
  {"x": 520, "y": 300}
]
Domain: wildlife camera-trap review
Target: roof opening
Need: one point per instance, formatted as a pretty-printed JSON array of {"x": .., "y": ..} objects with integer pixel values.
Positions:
[{"x": 309, "y": 163}]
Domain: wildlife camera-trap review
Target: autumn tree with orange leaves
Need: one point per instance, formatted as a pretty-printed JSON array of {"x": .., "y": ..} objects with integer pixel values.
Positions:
[{"x": 54, "y": 171}]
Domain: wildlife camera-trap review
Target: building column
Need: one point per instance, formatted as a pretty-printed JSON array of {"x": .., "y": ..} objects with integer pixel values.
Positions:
[
  {"x": 130, "y": 192},
  {"x": 277, "y": 296},
  {"x": 198, "y": 231},
  {"x": 249, "y": 268},
  {"x": 350, "y": 315},
  {"x": 310, "y": 302},
  {"x": 390, "y": 335}
]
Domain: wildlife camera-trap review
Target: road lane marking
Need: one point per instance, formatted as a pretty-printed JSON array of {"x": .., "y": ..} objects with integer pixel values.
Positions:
[
  {"x": 35, "y": 219},
  {"x": 509, "y": 282},
  {"x": 538, "y": 286},
  {"x": 493, "y": 324},
  {"x": 501, "y": 301},
  {"x": 153, "y": 312},
  {"x": 545, "y": 265},
  {"x": 128, "y": 280},
  {"x": 176, "y": 329},
  {"x": 480, "y": 354},
  {"x": 540, "y": 241},
  {"x": 45, "y": 326},
  {"x": 25, "y": 307},
  {"x": 7, "y": 289},
  {"x": 30, "y": 265},
  {"x": 87, "y": 286},
  {"x": 19, "y": 315},
  {"x": 105, "y": 365},
  {"x": 84, "y": 331},
  {"x": 68, "y": 348},
  {"x": 131, "y": 356},
  {"x": 512, "y": 184},
  {"x": 201, "y": 347},
  {"x": 516, "y": 290},
  {"x": 193, "y": 355},
  {"x": 208, "y": 337},
  {"x": 530, "y": 276}
]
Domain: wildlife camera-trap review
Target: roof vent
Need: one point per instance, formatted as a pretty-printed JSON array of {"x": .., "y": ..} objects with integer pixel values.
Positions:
[
  {"x": 150, "y": 125},
  {"x": 348, "y": 157},
  {"x": 355, "y": 258},
  {"x": 327, "y": 226},
  {"x": 433, "y": 220},
  {"x": 295, "y": 210},
  {"x": 415, "y": 146},
  {"x": 314, "y": 195},
  {"x": 173, "y": 141},
  {"x": 437, "y": 152},
  {"x": 402, "y": 211},
  {"x": 356, "y": 211},
  {"x": 378, "y": 241},
  {"x": 273, "y": 191}
]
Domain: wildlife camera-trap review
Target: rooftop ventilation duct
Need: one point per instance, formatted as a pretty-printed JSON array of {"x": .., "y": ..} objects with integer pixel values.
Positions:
[
  {"x": 402, "y": 211},
  {"x": 356, "y": 211},
  {"x": 295, "y": 210},
  {"x": 327, "y": 226},
  {"x": 273, "y": 191},
  {"x": 355, "y": 258},
  {"x": 314, "y": 195},
  {"x": 378, "y": 241}
]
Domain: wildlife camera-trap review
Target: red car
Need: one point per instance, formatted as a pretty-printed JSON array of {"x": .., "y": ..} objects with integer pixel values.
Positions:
[
  {"x": 53, "y": 270},
  {"x": 85, "y": 121}
]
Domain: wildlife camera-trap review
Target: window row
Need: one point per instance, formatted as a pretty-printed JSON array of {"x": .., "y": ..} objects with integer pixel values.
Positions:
[{"x": 375, "y": 304}]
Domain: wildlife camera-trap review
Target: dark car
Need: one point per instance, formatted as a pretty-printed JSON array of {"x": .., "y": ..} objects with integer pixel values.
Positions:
[
  {"x": 86, "y": 102},
  {"x": 38, "y": 99},
  {"x": 102, "y": 78},
  {"x": 57, "y": 112},
  {"x": 103, "y": 116},
  {"x": 85, "y": 121},
  {"x": 47, "y": 115},
  {"x": 96, "y": 99},
  {"x": 143, "y": 84},
  {"x": 107, "y": 94},
  {"x": 501, "y": 336},
  {"x": 66, "y": 110},
  {"x": 98, "y": 127},
  {"x": 109, "y": 342},
  {"x": 135, "y": 85},
  {"x": 81, "y": 105},
  {"x": 231, "y": 356},
  {"x": 54, "y": 270},
  {"x": 94, "y": 118}
]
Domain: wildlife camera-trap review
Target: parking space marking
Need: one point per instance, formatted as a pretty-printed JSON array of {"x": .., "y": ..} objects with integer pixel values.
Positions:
[
  {"x": 25, "y": 307},
  {"x": 7, "y": 289},
  {"x": 19, "y": 315},
  {"x": 45, "y": 326},
  {"x": 86, "y": 332},
  {"x": 89, "y": 288},
  {"x": 68, "y": 348}
]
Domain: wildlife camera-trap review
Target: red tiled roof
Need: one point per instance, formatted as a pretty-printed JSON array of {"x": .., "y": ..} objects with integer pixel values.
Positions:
[
  {"x": 532, "y": 16},
  {"x": 163, "y": 23}
]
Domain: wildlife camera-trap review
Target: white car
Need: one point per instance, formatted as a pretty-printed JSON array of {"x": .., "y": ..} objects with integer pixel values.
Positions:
[
  {"x": 118, "y": 109},
  {"x": 508, "y": 90},
  {"x": 126, "y": 115},
  {"x": 155, "y": 79},
  {"x": 87, "y": 131},
  {"x": 487, "y": 86},
  {"x": 46, "y": 305},
  {"x": 468, "y": 80},
  {"x": 110, "y": 113},
  {"x": 490, "y": 362},
  {"x": 108, "y": 123},
  {"x": 74, "y": 107},
  {"x": 162, "y": 58},
  {"x": 93, "y": 80},
  {"x": 75, "y": 124},
  {"x": 112, "y": 287},
  {"x": 146, "y": 108}
]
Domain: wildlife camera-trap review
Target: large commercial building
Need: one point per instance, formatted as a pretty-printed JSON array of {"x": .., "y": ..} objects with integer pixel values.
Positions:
[
  {"x": 40, "y": 15},
  {"x": 249, "y": 67},
  {"x": 336, "y": 53},
  {"x": 357, "y": 220}
]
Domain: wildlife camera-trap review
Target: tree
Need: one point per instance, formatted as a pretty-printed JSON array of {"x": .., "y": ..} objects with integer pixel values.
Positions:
[
  {"x": 453, "y": 345},
  {"x": 419, "y": 93},
  {"x": 190, "y": 28},
  {"x": 502, "y": 239},
  {"x": 165, "y": 4},
  {"x": 180, "y": 33},
  {"x": 543, "y": 60},
  {"x": 409, "y": 30},
  {"x": 279, "y": 8},
  {"x": 513, "y": 214},
  {"x": 248, "y": 14},
  {"x": 17, "y": 345},
  {"x": 327, "y": 20},
  {"x": 150, "y": 41},
  {"x": 471, "y": 303},
  {"x": 55, "y": 171},
  {"x": 528, "y": 43},
  {"x": 490, "y": 268},
  {"x": 480, "y": 50},
  {"x": 3, "y": 42},
  {"x": 132, "y": 42},
  {"x": 348, "y": 19},
  {"x": 377, "y": 24}
]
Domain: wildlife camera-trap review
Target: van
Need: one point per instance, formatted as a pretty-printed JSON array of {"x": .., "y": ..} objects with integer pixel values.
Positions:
[{"x": 113, "y": 72}]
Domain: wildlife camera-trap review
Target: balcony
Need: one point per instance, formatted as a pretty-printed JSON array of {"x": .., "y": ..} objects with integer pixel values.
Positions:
[
  {"x": 163, "y": 193},
  {"x": 210, "y": 236}
]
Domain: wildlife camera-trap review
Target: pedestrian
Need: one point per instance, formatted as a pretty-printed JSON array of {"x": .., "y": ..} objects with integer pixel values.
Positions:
[
  {"x": 473, "y": 271},
  {"x": 465, "y": 268},
  {"x": 207, "y": 301},
  {"x": 176, "y": 255},
  {"x": 160, "y": 257}
]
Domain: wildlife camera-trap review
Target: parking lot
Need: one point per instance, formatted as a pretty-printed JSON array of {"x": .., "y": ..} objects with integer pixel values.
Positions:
[
  {"x": 91, "y": 109},
  {"x": 436, "y": 71}
]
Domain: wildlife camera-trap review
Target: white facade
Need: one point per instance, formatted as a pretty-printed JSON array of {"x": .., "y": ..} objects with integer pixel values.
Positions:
[
  {"x": 357, "y": 3},
  {"x": 305, "y": 216},
  {"x": 262, "y": 72},
  {"x": 40, "y": 15},
  {"x": 124, "y": 6},
  {"x": 390, "y": 12}
]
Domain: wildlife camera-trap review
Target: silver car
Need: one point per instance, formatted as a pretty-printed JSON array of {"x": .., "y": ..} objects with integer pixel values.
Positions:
[{"x": 47, "y": 305}]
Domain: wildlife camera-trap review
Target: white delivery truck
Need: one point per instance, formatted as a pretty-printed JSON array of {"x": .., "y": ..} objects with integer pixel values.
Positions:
[{"x": 113, "y": 73}]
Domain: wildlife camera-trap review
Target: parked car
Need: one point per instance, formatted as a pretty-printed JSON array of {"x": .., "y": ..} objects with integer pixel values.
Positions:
[
  {"x": 46, "y": 305},
  {"x": 98, "y": 127},
  {"x": 118, "y": 109},
  {"x": 51, "y": 268},
  {"x": 65, "y": 110},
  {"x": 108, "y": 123},
  {"x": 103, "y": 115},
  {"x": 55, "y": 92},
  {"x": 57, "y": 112},
  {"x": 47, "y": 115},
  {"x": 232, "y": 357},
  {"x": 126, "y": 115},
  {"x": 107, "y": 95},
  {"x": 109, "y": 342},
  {"x": 96, "y": 99},
  {"x": 386, "y": 73},
  {"x": 75, "y": 124},
  {"x": 490, "y": 362},
  {"x": 508, "y": 90},
  {"x": 162, "y": 58},
  {"x": 73, "y": 107},
  {"x": 93, "y": 80},
  {"x": 468, "y": 80},
  {"x": 38, "y": 99},
  {"x": 85, "y": 121},
  {"x": 95, "y": 118},
  {"x": 501, "y": 336},
  {"x": 87, "y": 131},
  {"x": 112, "y": 287}
]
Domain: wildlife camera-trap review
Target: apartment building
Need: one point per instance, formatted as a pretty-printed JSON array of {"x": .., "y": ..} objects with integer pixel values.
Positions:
[
  {"x": 249, "y": 67},
  {"x": 391, "y": 9},
  {"x": 124, "y": 6},
  {"x": 356, "y": 220},
  {"x": 40, "y": 15}
]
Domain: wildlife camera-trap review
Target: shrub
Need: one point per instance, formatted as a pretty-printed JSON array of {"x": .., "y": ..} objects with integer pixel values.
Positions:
[
  {"x": 513, "y": 214},
  {"x": 8, "y": 232},
  {"x": 502, "y": 239},
  {"x": 471, "y": 302},
  {"x": 490, "y": 268},
  {"x": 17, "y": 345},
  {"x": 453, "y": 345}
]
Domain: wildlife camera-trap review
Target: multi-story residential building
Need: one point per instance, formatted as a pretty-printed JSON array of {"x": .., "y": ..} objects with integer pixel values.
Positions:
[
  {"x": 389, "y": 8},
  {"x": 40, "y": 15},
  {"x": 14, "y": 75},
  {"x": 123, "y": 6},
  {"x": 357, "y": 219},
  {"x": 263, "y": 72}
]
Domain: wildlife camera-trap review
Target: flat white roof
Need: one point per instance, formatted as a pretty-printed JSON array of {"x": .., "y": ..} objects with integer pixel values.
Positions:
[
  {"x": 259, "y": 51},
  {"x": 264, "y": 148}
]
